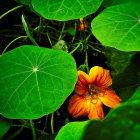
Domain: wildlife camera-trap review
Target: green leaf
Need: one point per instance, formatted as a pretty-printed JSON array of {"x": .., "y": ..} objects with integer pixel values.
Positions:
[
  {"x": 60, "y": 45},
  {"x": 63, "y": 10},
  {"x": 71, "y": 31},
  {"x": 118, "y": 60},
  {"x": 126, "y": 82},
  {"x": 4, "y": 126},
  {"x": 135, "y": 99},
  {"x": 107, "y": 3},
  {"x": 28, "y": 32},
  {"x": 119, "y": 27},
  {"x": 26, "y": 2},
  {"x": 122, "y": 122},
  {"x": 72, "y": 131},
  {"x": 35, "y": 81}
]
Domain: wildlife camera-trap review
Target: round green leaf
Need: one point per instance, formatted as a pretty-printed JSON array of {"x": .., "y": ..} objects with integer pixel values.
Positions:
[
  {"x": 107, "y": 3},
  {"x": 121, "y": 123},
  {"x": 119, "y": 27},
  {"x": 63, "y": 10},
  {"x": 4, "y": 126},
  {"x": 74, "y": 130},
  {"x": 35, "y": 81}
]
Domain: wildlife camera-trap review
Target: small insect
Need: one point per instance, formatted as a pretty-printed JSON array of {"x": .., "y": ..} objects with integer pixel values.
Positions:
[{"x": 82, "y": 26}]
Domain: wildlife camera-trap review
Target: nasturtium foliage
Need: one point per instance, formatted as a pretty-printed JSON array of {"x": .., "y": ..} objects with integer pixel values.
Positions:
[
  {"x": 127, "y": 81},
  {"x": 63, "y": 10},
  {"x": 35, "y": 81},
  {"x": 107, "y": 3},
  {"x": 119, "y": 27},
  {"x": 60, "y": 45},
  {"x": 4, "y": 126},
  {"x": 122, "y": 122},
  {"x": 117, "y": 60},
  {"x": 26, "y": 2},
  {"x": 74, "y": 130}
]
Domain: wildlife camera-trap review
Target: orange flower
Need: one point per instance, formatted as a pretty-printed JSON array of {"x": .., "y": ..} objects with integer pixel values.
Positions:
[
  {"x": 82, "y": 26},
  {"x": 92, "y": 92}
]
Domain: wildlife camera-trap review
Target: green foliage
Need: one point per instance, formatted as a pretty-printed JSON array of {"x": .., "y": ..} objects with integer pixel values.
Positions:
[
  {"x": 118, "y": 60},
  {"x": 71, "y": 31},
  {"x": 60, "y": 45},
  {"x": 63, "y": 10},
  {"x": 107, "y": 3},
  {"x": 74, "y": 130},
  {"x": 28, "y": 32},
  {"x": 35, "y": 81},
  {"x": 84, "y": 68},
  {"x": 120, "y": 123},
  {"x": 127, "y": 81},
  {"x": 119, "y": 27},
  {"x": 26, "y": 2},
  {"x": 4, "y": 126}
]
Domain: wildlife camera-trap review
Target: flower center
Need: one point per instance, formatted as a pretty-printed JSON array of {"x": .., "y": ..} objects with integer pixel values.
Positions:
[{"x": 93, "y": 90}]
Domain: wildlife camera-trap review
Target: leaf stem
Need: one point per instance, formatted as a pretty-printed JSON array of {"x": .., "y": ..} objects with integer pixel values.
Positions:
[
  {"x": 62, "y": 31},
  {"x": 79, "y": 44},
  {"x": 86, "y": 56},
  {"x": 28, "y": 32},
  {"x": 16, "y": 133},
  {"x": 12, "y": 42},
  {"x": 10, "y": 11},
  {"x": 52, "y": 117},
  {"x": 95, "y": 49},
  {"x": 73, "y": 38},
  {"x": 49, "y": 39},
  {"x": 33, "y": 129},
  {"x": 45, "y": 126}
]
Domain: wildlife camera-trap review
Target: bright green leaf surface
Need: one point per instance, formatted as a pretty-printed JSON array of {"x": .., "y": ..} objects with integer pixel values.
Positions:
[
  {"x": 4, "y": 126},
  {"x": 119, "y": 27},
  {"x": 63, "y": 10},
  {"x": 35, "y": 81},
  {"x": 122, "y": 122},
  {"x": 107, "y": 3},
  {"x": 72, "y": 131}
]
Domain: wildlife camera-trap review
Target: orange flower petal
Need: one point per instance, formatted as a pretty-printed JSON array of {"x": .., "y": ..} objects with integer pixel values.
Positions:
[
  {"x": 110, "y": 98},
  {"x": 82, "y": 83},
  {"x": 100, "y": 77},
  {"x": 78, "y": 105},
  {"x": 96, "y": 111}
]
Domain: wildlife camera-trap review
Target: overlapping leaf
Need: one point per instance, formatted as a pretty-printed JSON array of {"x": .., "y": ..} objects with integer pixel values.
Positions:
[
  {"x": 35, "y": 81},
  {"x": 119, "y": 27},
  {"x": 4, "y": 126},
  {"x": 121, "y": 123},
  {"x": 63, "y": 10},
  {"x": 107, "y": 3}
]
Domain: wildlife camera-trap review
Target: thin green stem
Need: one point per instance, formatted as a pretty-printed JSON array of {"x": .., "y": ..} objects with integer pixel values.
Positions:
[
  {"x": 45, "y": 126},
  {"x": 33, "y": 129},
  {"x": 79, "y": 44},
  {"x": 10, "y": 11},
  {"x": 52, "y": 117},
  {"x": 62, "y": 31},
  {"x": 86, "y": 56},
  {"x": 49, "y": 39},
  {"x": 95, "y": 49},
  {"x": 75, "y": 31},
  {"x": 12, "y": 42},
  {"x": 29, "y": 127},
  {"x": 16, "y": 133}
]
